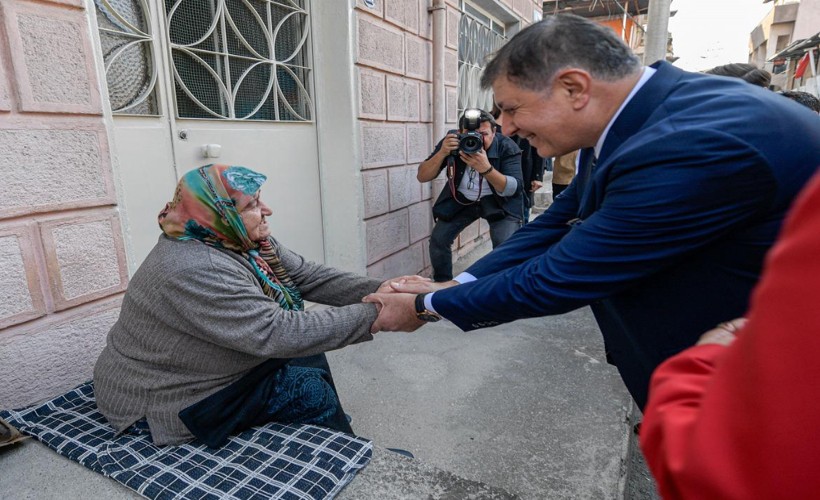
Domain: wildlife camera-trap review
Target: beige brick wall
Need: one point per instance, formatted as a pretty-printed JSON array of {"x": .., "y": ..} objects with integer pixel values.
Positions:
[
  {"x": 62, "y": 260},
  {"x": 394, "y": 66},
  {"x": 394, "y": 85}
]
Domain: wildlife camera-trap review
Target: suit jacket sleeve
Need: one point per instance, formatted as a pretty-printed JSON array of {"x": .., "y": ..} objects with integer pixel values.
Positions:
[
  {"x": 741, "y": 422},
  {"x": 658, "y": 204},
  {"x": 546, "y": 229}
]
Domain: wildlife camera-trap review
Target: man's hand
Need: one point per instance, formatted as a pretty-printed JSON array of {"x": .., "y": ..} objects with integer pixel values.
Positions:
[
  {"x": 535, "y": 186},
  {"x": 420, "y": 286},
  {"x": 723, "y": 334},
  {"x": 387, "y": 287},
  {"x": 477, "y": 161},
  {"x": 430, "y": 168},
  {"x": 449, "y": 143},
  {"x": 397, "y": 312}
]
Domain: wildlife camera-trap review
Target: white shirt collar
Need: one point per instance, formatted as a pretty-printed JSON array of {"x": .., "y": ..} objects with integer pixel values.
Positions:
[{"x": 645, "y": 76}]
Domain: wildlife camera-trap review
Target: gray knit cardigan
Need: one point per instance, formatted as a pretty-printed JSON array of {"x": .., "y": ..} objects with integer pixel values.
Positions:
[{"x": 194, "y": 319}]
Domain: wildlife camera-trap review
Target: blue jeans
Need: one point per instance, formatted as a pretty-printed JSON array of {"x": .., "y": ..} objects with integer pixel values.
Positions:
[{"x": 445, "y": 232}]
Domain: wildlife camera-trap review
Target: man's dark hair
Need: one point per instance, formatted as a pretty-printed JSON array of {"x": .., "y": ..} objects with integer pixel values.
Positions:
[
  {"x": 746, "y": 72},
  {"x": 485, "y": 117},
  {"x": 533, "y": 57},
  {"x": 804, "y": 98}
]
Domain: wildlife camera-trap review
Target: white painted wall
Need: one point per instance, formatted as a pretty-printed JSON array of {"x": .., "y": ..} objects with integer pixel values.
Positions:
[
  {"x": 144, "y": 166},
  {"x": 342, "y": 195},
  {"x": 808, "y": 20}
]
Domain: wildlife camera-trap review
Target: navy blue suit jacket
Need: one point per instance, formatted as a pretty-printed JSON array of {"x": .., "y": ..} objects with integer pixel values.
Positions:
[{"x": 667, "y": 235}]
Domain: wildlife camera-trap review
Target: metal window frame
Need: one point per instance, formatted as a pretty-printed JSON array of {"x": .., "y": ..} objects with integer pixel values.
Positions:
[
  {"x": 223, "y": 21},
  {"x": 482, "y": 39},
  {"x": 483, "y": 17}
]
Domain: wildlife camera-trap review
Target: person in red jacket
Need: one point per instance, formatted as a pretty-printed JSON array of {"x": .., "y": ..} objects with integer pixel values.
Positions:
[{"x": 738, "y": 415}]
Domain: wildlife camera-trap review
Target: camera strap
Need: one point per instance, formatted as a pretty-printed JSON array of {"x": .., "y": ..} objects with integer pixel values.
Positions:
[{"x": 451, "y": 175}]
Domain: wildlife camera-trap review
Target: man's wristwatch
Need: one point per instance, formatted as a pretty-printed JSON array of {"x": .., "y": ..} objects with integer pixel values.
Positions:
[{"x": 422, "y": 312}]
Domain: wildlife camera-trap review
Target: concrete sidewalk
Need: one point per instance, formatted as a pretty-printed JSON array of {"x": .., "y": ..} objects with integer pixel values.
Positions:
[
  {"x": 530, "y": 407},
  {"x": 528, "y": 410}
]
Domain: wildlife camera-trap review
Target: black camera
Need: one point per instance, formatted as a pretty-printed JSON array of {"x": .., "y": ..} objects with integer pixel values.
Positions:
[{"x": 470, "y": 141}]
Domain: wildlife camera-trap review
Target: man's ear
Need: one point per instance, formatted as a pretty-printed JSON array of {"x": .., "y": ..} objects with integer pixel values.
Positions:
[{"x": 575, "y": 84}]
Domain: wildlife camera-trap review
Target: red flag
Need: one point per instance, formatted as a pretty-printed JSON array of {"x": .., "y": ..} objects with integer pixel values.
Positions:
[{"x": 801, "y": 66}]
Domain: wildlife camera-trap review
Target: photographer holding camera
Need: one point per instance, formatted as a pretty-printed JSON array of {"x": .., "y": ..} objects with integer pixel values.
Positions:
[{"x": 483, "y": 181}]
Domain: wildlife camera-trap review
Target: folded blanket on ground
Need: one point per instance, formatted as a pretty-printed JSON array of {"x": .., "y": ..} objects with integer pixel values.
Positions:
[{"x": 272, "y": 461}]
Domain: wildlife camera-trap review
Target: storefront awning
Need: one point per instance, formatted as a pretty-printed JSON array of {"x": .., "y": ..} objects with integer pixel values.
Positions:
[{"x": 796, "y": 49}]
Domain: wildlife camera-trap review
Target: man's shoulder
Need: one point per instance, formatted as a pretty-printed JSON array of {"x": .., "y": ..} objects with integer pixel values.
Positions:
[
  {"x": 506, "y": 143},
  {"x": 503, "y": 147}
]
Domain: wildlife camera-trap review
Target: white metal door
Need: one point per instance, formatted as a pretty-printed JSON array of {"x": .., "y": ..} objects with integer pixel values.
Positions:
[
  {"x": 286, "y": 153},
  {"x": 231, "y": 83}
]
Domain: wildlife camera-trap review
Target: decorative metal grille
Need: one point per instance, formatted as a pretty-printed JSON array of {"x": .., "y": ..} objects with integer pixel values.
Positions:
[
  {"x": 476, "y": 41},
  {"x": 128, "y": 54},
  {"x": 240, "y": 59}
]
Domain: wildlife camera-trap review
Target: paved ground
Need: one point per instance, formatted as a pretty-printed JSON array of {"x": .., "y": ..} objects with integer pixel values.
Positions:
[{"x": 531, "y": 407}]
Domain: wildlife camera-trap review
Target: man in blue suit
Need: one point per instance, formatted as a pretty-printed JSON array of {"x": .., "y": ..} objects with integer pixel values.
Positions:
[{"x": 683, "y": 183}]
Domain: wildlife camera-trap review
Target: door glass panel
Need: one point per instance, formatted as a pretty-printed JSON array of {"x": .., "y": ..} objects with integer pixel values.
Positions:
[
  {"x": 126, "y": 40},
  {"x": 240, "y": 59}
]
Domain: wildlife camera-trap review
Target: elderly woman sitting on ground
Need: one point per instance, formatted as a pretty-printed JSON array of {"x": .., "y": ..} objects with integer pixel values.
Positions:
[{"x": 212, "y": 337}]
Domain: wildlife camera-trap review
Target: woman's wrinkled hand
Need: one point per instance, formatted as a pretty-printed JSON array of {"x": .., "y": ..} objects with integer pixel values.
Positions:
[
  {"x": 397, "y": 312},
  {"x": 388, "y": 286},
  {"x": 723, "y": 334},
  {"x": 419, "y": 286}
]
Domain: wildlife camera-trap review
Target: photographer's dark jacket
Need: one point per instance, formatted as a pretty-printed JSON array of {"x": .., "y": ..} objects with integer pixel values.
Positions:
[
  {"x": 505, "y": 156},
  {"x": 532, "y": 167}
]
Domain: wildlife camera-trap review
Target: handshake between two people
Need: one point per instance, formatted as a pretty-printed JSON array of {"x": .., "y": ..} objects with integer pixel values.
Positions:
[{"x": 395, "y": 301}]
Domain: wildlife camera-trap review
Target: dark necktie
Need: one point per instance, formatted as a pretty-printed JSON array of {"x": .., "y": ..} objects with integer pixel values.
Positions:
[{"x": 586, "y": 164}]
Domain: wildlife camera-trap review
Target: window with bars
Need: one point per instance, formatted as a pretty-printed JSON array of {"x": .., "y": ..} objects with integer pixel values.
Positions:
[
  {"x": 479, "y": 35},
  {"x": 240, "y": 59},
  {"x": 128, "y": 54},
  {"x": 230, "y": 59}
]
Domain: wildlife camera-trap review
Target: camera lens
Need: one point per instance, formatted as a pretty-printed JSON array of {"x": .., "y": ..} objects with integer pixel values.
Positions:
[{"x": 471, "y": 143}]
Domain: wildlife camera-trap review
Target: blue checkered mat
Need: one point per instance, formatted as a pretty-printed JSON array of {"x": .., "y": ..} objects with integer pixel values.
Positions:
[{"x": 273, "y": 461}]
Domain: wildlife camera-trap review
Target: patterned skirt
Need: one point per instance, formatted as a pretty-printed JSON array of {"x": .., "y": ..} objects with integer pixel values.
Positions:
[{"x": 286, "y": 391}]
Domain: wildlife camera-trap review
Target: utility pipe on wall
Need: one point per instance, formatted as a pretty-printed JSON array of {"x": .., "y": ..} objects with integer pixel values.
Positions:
[
  {"x": 439, "y": 12},
  {"x": 657, "y": 31}
]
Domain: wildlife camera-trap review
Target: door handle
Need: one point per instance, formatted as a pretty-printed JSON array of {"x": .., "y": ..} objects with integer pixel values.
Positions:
[{"x": 212, "y": 150}]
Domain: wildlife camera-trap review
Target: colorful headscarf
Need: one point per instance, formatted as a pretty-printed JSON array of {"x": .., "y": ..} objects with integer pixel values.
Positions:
[{"x": 207, "y": 206}]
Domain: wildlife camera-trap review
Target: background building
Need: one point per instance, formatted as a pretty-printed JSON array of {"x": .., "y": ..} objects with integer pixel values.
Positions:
[
  {"x": 627, "y": 18},
  {"x": 103, "y": 105},
  {"x": 787, "y": 34}
]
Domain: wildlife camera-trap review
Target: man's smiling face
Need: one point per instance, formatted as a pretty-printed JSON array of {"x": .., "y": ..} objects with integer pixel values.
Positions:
[{"x": 545, "y": 118}]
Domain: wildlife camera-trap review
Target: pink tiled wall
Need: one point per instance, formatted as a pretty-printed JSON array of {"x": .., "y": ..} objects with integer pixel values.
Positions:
[{"x": 61, "y": 247}]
